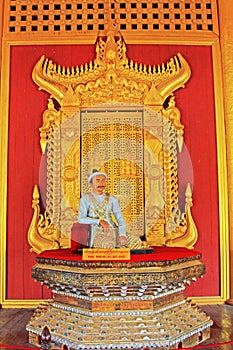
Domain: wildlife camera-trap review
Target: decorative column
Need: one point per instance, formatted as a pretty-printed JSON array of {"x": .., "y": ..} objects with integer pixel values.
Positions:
[{"x": 225, "y": 9}]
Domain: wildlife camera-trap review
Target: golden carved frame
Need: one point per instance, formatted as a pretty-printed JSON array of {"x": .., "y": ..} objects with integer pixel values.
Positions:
[{"x": 112, "y": 79}]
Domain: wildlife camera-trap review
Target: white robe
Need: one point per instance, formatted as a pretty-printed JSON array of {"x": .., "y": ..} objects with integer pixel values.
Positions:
[{"x": 94, "y": 207}]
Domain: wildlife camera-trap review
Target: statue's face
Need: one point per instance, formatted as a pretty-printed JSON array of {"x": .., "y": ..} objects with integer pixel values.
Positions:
[{"x": 98, "y": 184}]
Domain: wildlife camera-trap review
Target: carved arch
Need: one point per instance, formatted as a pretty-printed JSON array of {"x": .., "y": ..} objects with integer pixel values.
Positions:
[{"x": 112, "y": 82}]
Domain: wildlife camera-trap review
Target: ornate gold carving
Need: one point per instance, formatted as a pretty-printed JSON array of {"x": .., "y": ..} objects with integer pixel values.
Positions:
[
  {"x": 51, "y": 120},
  {"x": 173, "y": 114},
  {"x": 113, "y": 80},
  {"x": 42, "y": 234},
  {"x": 185, "y": 234}
]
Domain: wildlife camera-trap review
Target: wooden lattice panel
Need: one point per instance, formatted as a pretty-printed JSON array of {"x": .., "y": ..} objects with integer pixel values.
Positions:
[{"x": 87, "y": 16}]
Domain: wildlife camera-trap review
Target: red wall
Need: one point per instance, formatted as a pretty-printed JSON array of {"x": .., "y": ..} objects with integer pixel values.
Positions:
[{"x": 27, "y": 104}]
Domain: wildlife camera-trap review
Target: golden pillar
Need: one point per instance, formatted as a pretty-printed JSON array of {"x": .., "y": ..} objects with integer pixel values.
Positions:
[{"x": 226, "y": 44}]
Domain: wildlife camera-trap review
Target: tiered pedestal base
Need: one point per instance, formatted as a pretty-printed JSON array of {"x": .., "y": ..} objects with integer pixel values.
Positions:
[{"x": 135, "y": 304}]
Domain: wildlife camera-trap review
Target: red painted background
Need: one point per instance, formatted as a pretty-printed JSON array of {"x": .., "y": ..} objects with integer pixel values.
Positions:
[{"x": 27, "y": 103}]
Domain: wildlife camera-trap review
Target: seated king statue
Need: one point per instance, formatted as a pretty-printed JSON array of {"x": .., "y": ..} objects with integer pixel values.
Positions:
[{"x": 102, "y": 212}]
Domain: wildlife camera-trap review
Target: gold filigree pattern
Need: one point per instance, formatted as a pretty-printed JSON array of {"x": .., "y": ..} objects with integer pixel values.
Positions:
[
  {"x": 111, "y": 78},
  {"x": 108, "y": 144}
]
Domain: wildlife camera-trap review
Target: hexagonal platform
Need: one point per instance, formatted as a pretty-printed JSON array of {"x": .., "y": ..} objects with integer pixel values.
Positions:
[{"x": 132, "y": 304}]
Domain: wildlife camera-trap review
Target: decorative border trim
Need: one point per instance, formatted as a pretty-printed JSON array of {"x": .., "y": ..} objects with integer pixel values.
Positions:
[{"x": 206, "y": 40}]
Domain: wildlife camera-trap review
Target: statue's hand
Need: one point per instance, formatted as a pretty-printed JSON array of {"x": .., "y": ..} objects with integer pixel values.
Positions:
[
  {"x": 105, "y": 225},
  {"x": 122, "y": 240}
]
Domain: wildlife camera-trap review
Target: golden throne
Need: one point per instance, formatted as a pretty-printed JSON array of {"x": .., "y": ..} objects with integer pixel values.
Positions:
[{"x": 121, "y": 117}]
